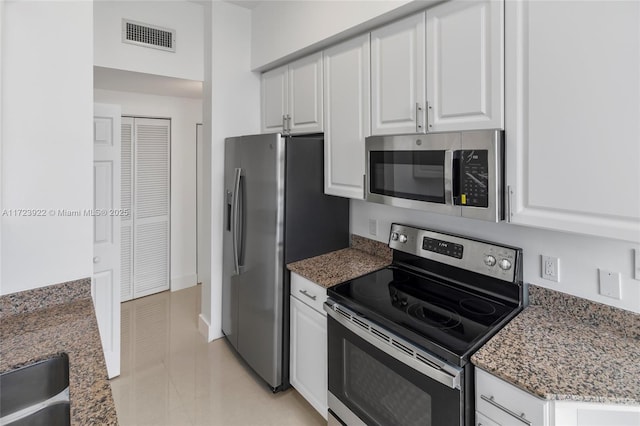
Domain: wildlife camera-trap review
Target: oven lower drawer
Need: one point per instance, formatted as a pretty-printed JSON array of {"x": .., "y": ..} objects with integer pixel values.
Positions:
[{"x": 369, "y": 386}]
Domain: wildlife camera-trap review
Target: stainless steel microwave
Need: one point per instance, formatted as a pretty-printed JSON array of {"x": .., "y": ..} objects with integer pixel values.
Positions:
[{"x": 454, "y": 173}]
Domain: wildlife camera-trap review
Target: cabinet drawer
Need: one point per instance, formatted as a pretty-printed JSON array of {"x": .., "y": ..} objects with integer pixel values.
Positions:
[
  {"x": 506, "y": 404},
  {"x": 308, "y": 292},
  {"x": 482, "y": 420}
]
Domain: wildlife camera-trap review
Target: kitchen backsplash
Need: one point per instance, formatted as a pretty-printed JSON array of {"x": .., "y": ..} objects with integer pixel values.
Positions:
[
  {"x": 375, "y": 248},
  {"x": 597, "y": 314}
]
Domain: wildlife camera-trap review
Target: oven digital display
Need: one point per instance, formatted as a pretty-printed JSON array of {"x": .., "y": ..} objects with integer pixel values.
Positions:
[{"x": 442, "y": 247}]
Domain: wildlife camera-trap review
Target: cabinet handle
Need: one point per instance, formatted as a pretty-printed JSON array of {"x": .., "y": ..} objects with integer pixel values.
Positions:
[
  {"x": 288, "y": 123},
  {"x": 509, "y": 203},
  {"x": 284, "y": 123},
  {"x": 310, "y": 296},
  {"x": 364, "y": 187},
  {"x": 419, "y": 116},
  {"x": 429, "y": 118},
  {"x": 491, "y": 401}
]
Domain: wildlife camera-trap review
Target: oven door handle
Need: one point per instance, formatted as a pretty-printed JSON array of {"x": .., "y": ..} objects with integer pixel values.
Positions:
[{"x": 395, "y": 347}]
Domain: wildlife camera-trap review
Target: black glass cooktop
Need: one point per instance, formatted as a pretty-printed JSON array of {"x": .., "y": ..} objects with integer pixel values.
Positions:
[{"x": 432, "y": 313}]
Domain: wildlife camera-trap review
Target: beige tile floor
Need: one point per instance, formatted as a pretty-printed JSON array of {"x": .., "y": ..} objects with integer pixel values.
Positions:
[{"x": 171, "y": 376}]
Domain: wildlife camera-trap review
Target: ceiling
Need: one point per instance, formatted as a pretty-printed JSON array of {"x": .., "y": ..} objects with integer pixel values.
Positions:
[{"x": 130, "y": 81}]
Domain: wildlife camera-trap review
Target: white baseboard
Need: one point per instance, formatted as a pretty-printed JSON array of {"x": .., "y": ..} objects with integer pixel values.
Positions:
[
  {"x": 185, "y": 281},
  {"x": 205, "y": 329}
]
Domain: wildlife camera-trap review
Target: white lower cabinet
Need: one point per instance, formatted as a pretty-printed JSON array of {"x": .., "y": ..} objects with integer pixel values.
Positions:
[
  {"x": 503, "y": 404},
  {"x": 499, "y": 403},
  {"x": 308, "y": 334},
  {"x": 568, "y": 413},
  {"x": 482, "y": 420}
]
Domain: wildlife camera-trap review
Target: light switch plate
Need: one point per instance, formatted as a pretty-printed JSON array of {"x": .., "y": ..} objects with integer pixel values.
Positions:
[
  {"x": 373, "y": 227},
  {"x": 610, "y": 284}
]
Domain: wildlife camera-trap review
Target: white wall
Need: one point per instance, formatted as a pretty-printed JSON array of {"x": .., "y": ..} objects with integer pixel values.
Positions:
[
  {"x": 185, "y": 17},
  {"x": 184, "y": 114},
  {"x": 231, "y": 108},
  {"x": 281, "y": 29},
  {"x": 580, "y": 255},
  {"x": 1, "y": 102},
  {"x": 47, "y": 153}
]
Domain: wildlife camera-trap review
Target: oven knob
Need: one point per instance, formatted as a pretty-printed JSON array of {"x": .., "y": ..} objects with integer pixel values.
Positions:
[
  {"x": 394, "y": 236},
  {"x": 489, "y": 260},
  {"x": 505, "y": 264},
  {"x": 402, "y": 238}
]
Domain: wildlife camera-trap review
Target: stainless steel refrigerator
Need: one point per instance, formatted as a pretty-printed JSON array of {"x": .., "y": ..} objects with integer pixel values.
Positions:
[{"x": 275, "y": 213}]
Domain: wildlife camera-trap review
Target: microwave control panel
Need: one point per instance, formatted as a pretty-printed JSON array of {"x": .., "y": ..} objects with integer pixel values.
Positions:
[{"x": 473, "y": 178}]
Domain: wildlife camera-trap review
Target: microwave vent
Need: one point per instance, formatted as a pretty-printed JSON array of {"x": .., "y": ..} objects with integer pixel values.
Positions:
[{"x": 147, "y": 35}]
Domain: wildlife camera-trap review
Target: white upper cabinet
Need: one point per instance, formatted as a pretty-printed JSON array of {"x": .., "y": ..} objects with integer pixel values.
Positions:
[
  {"x": 305, "y": 95},
  {"x": 274, "y": 99},
  {"x": 347, "y": 111},
  {"x": 573, "y": 102},
  {"x": 292, "y": 97},
  {"x": 465, "y": 65},
  {"x": 398, "y": 77}
]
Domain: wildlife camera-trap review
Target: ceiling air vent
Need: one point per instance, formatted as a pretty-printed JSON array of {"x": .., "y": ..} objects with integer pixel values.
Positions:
[{"x": 148, "y": 35}]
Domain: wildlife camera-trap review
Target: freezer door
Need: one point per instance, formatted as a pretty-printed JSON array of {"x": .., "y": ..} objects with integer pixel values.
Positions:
[
  {"x": 230, "y": 278},
  {"x": 260, "y": 254}
]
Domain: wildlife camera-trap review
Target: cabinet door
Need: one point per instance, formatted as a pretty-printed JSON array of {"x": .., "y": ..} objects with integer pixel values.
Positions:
[
  {"x": 398, "y": 77},
  {"x": 482, "y": 420},
  {"x": 573, "y": 102},
  {"x": 347, "y": 107},
  {"x": 505, "y": 404},
  {"x": 569, "y": 413},
  {"x": 305, "y": 95},
  {"x": 274, "y": 99},
  {"x": 308, "y": 372},
  {"x": 465, "y": 65}
]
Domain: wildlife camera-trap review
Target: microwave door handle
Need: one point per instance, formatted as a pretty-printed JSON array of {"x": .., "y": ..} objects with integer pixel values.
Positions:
[{"x": 448, "y": 177}]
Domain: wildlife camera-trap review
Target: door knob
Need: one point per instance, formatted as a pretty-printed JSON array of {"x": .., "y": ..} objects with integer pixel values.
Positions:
[{"x": 96, "y": 259}]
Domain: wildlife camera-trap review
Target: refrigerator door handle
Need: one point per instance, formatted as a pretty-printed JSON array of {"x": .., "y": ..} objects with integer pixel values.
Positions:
[{"x": 235, "y": 215}]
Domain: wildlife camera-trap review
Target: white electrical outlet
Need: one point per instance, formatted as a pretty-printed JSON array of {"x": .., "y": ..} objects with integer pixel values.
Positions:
[
  {"x": 550, "y": 268},
  {"x": 373, "y": 227},
  {"x": 610, "y": 284}
]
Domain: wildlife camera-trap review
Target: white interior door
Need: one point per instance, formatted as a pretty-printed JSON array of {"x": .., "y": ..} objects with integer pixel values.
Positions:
[
  {"x": 127, "y": 203},
  {"x": 152, "y": 182},
  {"x": 105, "y": 285}
]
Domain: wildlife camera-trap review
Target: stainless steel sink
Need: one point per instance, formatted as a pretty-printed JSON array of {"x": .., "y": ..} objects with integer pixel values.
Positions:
[{"x": 37, "y": 394}]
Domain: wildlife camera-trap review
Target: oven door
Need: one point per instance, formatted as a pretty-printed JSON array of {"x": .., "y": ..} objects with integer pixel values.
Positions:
[{"x": 373, "y": 381}]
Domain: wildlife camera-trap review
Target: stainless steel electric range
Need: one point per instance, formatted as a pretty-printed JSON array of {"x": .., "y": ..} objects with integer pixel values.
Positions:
[{"x": 400, "y": 338}]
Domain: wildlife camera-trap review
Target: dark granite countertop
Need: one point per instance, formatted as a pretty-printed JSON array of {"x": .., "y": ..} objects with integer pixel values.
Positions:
[
  {"x": 563, "y": 347},
  {"x": 329, "y": 269},
  {"x": 36, "y": 324}
]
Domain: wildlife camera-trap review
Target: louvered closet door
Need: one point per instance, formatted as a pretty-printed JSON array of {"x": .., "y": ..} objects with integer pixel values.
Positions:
[
  {"x": 126, "y": 223},
  {"x": 151, "y": 206}
]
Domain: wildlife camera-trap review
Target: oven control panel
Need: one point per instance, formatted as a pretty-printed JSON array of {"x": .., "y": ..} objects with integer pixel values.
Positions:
[
  {"x": 497, "y": 261},
  {"x": 442, "y": 247}
]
